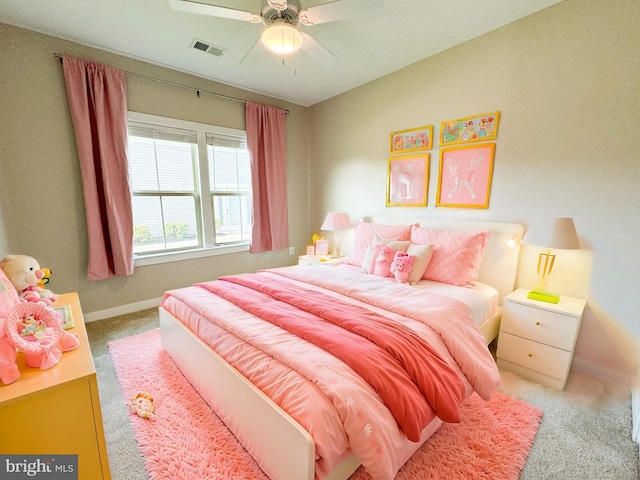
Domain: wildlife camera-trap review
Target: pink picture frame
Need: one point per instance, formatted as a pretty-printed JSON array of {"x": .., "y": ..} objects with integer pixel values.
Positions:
[
  {"x": 322, "y": 247},
  {"x": 407, "y": 181},
  {"x": 464, "y": 180}
]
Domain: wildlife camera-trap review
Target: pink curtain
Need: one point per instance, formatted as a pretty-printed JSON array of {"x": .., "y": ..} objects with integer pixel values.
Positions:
[
  {"x": 266, "y": 140},
  {"x": 98, "y": 103}
]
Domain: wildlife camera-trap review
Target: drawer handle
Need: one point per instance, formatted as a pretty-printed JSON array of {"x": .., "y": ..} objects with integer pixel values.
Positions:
[
  {"x": 537, "y": 323},
  {"x": 530, "y": 355}
]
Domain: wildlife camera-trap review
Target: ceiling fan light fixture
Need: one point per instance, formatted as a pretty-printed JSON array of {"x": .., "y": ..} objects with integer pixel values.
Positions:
[{"x": 282, "y": 38}]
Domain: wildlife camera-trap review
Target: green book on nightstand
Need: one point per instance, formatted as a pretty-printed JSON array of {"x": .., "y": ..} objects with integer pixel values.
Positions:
[{"x": 543, "y": 296}]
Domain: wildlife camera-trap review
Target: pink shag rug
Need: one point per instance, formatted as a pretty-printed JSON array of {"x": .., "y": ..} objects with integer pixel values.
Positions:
[{"x": 188, "y": 441}]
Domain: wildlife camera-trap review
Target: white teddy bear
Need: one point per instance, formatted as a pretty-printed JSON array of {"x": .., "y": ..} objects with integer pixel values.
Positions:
[{"x": 25, "y": 273}]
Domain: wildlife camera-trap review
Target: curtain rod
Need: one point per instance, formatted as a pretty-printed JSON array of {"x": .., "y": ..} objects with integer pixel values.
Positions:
[{"x": 179, "y": 85}]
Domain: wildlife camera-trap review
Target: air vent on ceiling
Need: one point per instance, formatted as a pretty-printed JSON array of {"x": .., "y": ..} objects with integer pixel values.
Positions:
[{"x": 207, "y": 47}]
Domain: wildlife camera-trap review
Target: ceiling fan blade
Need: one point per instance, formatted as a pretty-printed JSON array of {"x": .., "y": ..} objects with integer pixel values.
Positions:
[
  {"x": 207, "y": 9},
  {"x": 338, "y": 10},
  {"x": 311, "y": 46}
]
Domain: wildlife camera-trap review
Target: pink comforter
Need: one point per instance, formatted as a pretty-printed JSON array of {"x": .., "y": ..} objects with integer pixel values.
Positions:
[
  {"x": 407, "y": 373},
  {"x": 338, "y": 408}
]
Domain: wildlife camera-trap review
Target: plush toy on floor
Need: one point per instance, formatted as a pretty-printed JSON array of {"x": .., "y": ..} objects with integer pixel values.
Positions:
[
  {"x": 401, "y": 266},
  {"x": 25, "y": 274},
  {"x": 143, "y": 405}
]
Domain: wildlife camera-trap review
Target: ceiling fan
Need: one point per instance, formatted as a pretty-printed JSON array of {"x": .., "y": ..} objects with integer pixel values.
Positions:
[{"x": 282, "y": 20}]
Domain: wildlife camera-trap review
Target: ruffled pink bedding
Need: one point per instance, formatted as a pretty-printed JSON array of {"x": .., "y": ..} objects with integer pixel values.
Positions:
[{"x": 329, "y": 398}]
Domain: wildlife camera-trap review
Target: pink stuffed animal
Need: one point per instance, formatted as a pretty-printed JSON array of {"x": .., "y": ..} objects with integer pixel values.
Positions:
[
  {"x": 383, "y": 261},
  {"x": 401, "y": 266}
]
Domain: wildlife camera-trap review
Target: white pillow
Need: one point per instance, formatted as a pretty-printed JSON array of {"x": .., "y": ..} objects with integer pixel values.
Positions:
[{"x": 422, "y": 256}]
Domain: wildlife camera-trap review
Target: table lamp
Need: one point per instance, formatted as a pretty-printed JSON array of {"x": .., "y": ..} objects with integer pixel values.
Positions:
[
  {"x": 557, "y": 233},
  {"x": 335, "y": 221}
]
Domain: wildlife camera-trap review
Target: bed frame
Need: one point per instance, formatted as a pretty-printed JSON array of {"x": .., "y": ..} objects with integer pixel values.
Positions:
[{"x": 283, "y": 449}]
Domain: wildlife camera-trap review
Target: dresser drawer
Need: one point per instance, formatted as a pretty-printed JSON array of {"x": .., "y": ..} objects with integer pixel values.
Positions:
[
  {"x": 551, "y": 328},
  {"x": 534, "y": 356}
]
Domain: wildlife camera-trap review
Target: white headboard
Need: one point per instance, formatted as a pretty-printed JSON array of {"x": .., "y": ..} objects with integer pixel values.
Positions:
[{"x": 500, "y": 262}]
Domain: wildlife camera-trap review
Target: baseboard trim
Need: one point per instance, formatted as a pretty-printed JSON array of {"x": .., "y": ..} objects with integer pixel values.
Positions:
[
  {"x": 599, "y": 371},
  {"x": 122, "y": 310}
]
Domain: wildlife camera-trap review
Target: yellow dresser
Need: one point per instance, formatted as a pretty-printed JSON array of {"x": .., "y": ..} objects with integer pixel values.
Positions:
[{"x": 57, "y": 411}]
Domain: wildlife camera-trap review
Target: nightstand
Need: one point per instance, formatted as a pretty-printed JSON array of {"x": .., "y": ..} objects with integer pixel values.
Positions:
[
  {"x": 537, "y": 339},
  {"x": 308, "y": 260}
]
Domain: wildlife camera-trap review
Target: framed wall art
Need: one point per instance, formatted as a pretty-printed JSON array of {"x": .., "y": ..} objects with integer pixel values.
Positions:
[
  {"x": 407, "y": 181},
  {"x": 477, "y": 128},
  {"x": 322, "y": 247},
  {"x": 412, "y": 140},
  {"x": 464, "y": 180}
]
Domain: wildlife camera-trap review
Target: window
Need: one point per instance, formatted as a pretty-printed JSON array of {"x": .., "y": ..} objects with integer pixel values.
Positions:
[{"x": 191, "y": 186}]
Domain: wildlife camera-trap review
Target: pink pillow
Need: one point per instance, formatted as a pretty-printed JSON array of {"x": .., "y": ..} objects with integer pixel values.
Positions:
[
  {"x": 363, "y": 236},
  {"x": 457, "y": 256}
]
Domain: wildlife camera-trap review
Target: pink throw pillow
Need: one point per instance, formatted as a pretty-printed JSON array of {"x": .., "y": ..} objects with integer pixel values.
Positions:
[
  {"x": 457, "y": 256},
  {"x": 363, "y": 236}
]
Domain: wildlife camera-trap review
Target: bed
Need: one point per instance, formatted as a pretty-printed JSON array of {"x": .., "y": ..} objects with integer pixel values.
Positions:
[{"x": 261, "y": 379}]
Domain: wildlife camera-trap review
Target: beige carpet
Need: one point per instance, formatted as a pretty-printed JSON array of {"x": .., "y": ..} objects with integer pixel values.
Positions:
[{"x": 585, "y": 432}]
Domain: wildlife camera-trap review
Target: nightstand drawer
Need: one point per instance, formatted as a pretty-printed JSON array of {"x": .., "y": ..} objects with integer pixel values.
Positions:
[
  {"x": 306, "y": 261},
  {"x": 554, "y": 329},
  {"x": 534, "y": 356}
]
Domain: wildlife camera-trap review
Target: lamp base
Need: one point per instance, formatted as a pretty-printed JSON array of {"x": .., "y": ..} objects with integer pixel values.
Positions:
[{"x": 542, "y": 296}]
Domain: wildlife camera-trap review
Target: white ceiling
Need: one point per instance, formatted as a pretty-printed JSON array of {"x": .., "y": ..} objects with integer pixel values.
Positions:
[{"x": 369, "y": 46}]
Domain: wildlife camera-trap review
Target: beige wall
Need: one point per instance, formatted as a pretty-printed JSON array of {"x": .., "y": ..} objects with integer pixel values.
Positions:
[
  {"x": 566, "y": 83},
  {"x": 42, "y": 211}
]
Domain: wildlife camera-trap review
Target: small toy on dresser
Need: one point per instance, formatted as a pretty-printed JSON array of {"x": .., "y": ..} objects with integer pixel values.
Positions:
[
  {"x": 28, "y": 278},
  {"x": 401, "y": 266}
]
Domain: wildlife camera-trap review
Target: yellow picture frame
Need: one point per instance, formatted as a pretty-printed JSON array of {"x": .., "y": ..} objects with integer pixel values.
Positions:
[
  {"x": 476, "y": 128},
  {"x": 464, "y": 178},
  {"x": 411, "y": 140},
  {"x": 408, "y": 180}
]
